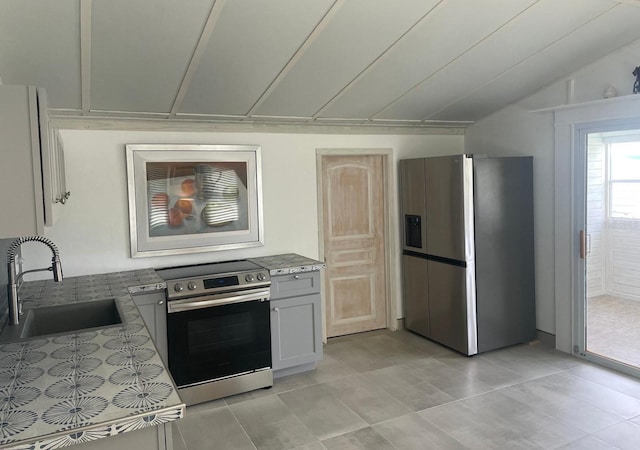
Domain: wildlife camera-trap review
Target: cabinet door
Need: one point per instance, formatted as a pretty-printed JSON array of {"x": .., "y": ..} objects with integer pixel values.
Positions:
[
  {"x": 30, "y": 171},
  {"x": 20, "y": 171},
  {"x": 148, "y": 438},
  {"x": 153, "y": 309},
  {"x": 296, "y": 336}
]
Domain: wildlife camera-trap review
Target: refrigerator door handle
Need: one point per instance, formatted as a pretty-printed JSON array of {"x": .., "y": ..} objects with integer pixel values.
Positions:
[{"x": 583, "y": 245}]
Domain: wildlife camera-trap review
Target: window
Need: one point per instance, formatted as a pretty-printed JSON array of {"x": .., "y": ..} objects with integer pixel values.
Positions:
[{"x": 624, "y": 160}]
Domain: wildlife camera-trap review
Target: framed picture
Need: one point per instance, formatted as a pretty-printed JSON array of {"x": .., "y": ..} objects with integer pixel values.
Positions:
[{"x": 193, "y": 198}]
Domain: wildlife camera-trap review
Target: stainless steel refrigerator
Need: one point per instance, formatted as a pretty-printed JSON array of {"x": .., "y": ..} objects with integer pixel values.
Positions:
[{"x": 468, "y": 251}]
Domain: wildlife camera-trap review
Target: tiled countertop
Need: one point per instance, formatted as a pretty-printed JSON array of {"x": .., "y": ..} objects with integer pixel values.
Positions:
[
  {"x": 62, "y": 390},
  {"x": 288, "y": 263}
]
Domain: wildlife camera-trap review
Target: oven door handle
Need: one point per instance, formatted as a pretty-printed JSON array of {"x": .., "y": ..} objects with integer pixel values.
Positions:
[{"x": 175, "y": 306}]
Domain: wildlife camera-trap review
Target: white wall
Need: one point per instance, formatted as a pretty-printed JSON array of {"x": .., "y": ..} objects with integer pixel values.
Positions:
[
  {"x": 590, "y": 82},
  {"x": 515, "y": 130},
  {"x": 92, "y": 232}
]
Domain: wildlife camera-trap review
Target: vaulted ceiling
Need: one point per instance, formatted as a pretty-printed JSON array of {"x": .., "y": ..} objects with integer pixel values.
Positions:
[{"x": 401, "y": 62}]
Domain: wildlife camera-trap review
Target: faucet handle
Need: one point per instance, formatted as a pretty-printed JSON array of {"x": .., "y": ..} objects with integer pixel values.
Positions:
[{"x": 56, "y": 268}]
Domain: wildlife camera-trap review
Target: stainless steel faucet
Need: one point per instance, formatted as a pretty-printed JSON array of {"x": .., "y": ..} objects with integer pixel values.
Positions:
[{"x": 15, "y": 305}]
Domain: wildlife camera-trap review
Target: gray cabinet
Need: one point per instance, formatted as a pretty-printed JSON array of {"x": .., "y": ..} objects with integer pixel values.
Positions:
[
  {"x": 30, "y": 172},
  {"x": 150, "y": 438},
  {"x": 296, "y": 322},
  {"x": 153, "y": 309}
]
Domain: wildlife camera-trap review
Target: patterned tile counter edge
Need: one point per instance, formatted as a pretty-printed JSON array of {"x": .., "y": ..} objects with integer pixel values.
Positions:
[
  {"x": 99, "y": 383},
  {"x": 92, "y": 433},
  {"x": 288, "y": 263}
]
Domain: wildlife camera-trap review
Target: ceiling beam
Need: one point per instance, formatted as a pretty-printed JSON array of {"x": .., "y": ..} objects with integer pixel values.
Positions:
[
  {"x": 529, "y": 56},
  {"x": 444, "y": 66},
  {"x": 380, "y": 57},
  {"x": 331, "y": 12},
  {"x": 85, "y": 54},
  {"x": 67, "y": 122},
  {"x": 630, "y": 2},
  {"x": 198, "y": 54}
]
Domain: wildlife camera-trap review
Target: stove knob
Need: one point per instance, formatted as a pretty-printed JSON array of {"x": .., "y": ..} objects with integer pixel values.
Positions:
[
  {"x": 178, "y": 287},
  {"x": 262, "y": 276},
  {"x": 249, "y": 278},
  {"x": 192, "y": 285}
]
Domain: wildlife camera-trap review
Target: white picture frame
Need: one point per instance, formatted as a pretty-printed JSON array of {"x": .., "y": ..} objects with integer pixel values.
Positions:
[{"x": 192, "y": 198}]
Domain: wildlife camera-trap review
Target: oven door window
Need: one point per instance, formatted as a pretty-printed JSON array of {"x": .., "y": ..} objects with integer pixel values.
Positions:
[{"x": 210, "y": 343}]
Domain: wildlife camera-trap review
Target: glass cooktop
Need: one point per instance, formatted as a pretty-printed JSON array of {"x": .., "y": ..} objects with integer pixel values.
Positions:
[{"x": 202, "y": 270}]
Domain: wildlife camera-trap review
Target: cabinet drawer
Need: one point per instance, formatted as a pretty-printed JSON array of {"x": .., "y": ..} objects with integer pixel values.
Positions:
[{"x": 295, "y": 284}]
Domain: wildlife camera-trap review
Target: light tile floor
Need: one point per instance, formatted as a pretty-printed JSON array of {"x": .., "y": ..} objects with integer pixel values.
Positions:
[
  {"x": 396, "y": 390},
  {"x": 613, "y": 328}
]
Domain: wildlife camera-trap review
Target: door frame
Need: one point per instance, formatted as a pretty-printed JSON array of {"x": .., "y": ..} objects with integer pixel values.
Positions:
[
  {"x": 565, "y": 119},
  {"x": 579, "y": 221},
  {"x": 390, "y": 226}
]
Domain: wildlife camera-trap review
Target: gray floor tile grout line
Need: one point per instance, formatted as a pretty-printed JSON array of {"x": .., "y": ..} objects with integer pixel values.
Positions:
[
  {"x": 600, "y": 384},
  {"x": 547, "y": 362},
  {"x": 241, "y": 426}
]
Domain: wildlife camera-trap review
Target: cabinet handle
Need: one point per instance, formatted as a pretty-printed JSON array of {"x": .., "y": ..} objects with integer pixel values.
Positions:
[
  {"x": 276, "y": 309},
  {"x": 161, "y": 302},
  {"x": 63, "y": 198},
  {"x": 295, "y": 277}
]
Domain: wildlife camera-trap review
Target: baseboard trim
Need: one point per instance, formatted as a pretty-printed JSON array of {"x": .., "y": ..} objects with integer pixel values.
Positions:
[
  {"x": 546, "y": 338},
  {"x": 541, "y": 336},
  {"x": 294, "y": 370}
]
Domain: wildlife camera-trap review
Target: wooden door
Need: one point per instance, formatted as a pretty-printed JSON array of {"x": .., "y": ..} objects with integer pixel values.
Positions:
[{"x": 354, "y": 243}]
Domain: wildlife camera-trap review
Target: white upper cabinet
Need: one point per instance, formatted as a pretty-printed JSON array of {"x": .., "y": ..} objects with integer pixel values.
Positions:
[{"x": 31, "y": 170}]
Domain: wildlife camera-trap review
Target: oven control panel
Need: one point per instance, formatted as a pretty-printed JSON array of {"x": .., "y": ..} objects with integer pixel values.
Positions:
[{"x": 189, "y": 287}]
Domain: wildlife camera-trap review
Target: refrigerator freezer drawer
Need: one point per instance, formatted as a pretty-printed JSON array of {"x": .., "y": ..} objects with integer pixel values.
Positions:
[
  {"x": 452, "y": 306},
  {"x": 416, "y": 295}
]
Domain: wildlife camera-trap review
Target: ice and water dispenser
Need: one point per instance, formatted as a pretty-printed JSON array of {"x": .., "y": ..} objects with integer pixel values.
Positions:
[{"x": 413, "y": 231}]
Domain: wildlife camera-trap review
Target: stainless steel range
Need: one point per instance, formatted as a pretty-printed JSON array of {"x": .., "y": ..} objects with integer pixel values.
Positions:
[{"x": 218, "y": 326}]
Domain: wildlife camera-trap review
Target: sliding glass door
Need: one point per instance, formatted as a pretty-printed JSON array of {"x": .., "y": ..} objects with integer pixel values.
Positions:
[{"x": 608, "y": 282}]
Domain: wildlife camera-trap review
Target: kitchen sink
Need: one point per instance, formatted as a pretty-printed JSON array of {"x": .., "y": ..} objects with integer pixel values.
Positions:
[
  {"x": 68, "y": 318},
  {"x": 71, "y": 317}
]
